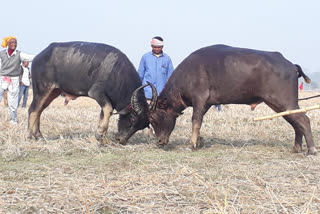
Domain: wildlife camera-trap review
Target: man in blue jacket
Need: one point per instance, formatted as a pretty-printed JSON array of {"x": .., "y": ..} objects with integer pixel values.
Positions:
[{"x": 155, "y": 67}]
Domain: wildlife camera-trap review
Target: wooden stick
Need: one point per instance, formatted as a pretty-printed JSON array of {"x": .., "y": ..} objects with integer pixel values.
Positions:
[{"x": 295, "y": 111}]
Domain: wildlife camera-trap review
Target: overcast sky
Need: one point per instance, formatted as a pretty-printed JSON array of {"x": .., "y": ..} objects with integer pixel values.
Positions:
[{"x": 291, "y": 27}]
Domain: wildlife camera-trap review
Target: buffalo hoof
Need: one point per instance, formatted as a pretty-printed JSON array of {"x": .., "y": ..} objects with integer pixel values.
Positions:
[
  {"x": 31, "y": 137},
  {"x": 165, "y": 147},
  {"x": 312, "y": 151},
  {"x": 99, "y": 137},
  {"x": 198, "y": 145},
  {"x": 35, "y": 137},
  {"x": 104, "y": 142},
  {"x": 123, "y": 143},
  {"x": 297, "y": 148},
  {"x": 193, "y": 147}
]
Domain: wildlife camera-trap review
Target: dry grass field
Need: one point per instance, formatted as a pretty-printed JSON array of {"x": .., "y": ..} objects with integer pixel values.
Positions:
[{"x": 244, "y": 167}]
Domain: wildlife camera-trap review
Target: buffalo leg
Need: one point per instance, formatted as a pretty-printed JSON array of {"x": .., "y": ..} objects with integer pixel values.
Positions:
[
  {"x": 103, "y": 126},
  {"x": 37, "y": 106},
  {"x": 197, "y": 118},
  {"x": 301, "y": 125},
  {"x": 97, "y": 92}
]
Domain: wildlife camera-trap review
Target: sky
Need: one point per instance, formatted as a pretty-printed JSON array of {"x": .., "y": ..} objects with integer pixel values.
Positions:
[{"x": 291, "y": 27}]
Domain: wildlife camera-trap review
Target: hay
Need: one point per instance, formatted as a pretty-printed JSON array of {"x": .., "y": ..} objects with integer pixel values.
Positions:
[{"x": 245, "y": 167}]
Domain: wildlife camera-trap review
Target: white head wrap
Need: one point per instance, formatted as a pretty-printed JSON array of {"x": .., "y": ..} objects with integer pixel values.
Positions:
[{"x": 156, "y": 42}]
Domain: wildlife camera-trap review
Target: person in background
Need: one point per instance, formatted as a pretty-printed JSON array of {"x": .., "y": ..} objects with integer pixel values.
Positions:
[
  {"x": 10, "y": 61},
  {"x": 301, "y": 86},
  {"x": 24, "y": 84},
  {"x": 155, "y": 67},
  {"x": 218, "y": 107}
]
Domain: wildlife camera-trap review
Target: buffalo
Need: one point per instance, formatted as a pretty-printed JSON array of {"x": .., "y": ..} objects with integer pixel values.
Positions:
[
  {"x": 94, "y": 70},
  {"x": 221, "y": 74}
]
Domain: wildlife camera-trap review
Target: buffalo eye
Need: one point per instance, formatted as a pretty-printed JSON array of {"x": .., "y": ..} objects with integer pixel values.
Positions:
[
  {"x": 133, "y": 120},
  {"x": 162, "y": 105},
  {"x": 153, "y": 118}
]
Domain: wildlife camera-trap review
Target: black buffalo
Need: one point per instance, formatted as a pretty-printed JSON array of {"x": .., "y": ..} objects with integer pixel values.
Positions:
[
  {"x": 98, "y": 71},
  {"x": 220, "y": 74}
]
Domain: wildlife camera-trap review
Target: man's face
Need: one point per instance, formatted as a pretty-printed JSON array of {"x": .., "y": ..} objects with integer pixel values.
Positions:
[
  {"x": 12, "y": 44},
  {"x": 157, "y": 49}
]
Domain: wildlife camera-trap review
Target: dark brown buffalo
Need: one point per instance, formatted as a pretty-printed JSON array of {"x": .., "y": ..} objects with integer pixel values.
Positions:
[{"x": 220, "y": 74}]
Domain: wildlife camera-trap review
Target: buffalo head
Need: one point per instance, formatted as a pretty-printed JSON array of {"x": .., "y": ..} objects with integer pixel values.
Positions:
[
  {"x": 135, "y": 116},
  {"x": 163, "y": 119}
]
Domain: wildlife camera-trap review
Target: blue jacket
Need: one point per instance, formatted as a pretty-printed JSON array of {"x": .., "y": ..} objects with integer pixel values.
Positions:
[{"x": 155, "y": 70}]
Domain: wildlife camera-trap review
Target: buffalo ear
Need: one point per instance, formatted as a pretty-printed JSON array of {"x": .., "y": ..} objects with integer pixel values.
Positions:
[
  {"x": 125, "y": 111},
  {"x": 174, "y": 113},
  {"x": 163, "y": 103}
]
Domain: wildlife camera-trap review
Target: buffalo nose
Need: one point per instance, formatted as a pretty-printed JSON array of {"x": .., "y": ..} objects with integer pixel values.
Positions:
[{"x": 161, "y": 142}]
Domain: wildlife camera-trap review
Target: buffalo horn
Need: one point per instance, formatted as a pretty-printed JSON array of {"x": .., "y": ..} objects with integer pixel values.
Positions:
[
  {"x": 154, "y": 99},
  {"x": 137, "y": 108}
]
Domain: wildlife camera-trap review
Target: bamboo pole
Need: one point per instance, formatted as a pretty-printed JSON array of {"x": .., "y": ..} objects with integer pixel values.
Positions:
[
  {"x": 295, "y": 111},
  {"x": 5, "y": 98}
]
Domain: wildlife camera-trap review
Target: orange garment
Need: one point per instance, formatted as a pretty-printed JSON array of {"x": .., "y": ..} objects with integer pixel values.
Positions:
[{"x": 5, "y": 41}]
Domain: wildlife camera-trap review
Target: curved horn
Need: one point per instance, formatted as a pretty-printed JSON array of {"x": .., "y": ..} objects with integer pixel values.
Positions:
[
  {"x": 154, "y": 98},
  {"x": 137, "y": 108}
]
